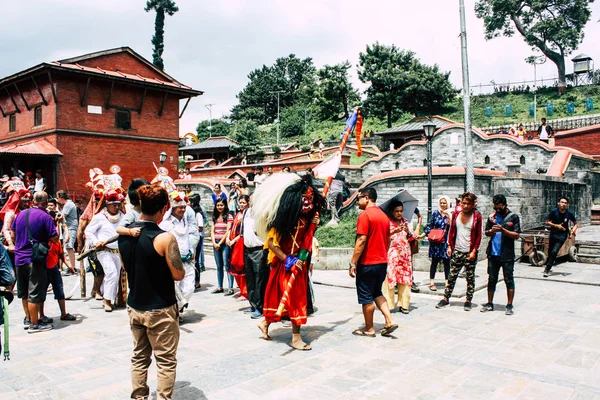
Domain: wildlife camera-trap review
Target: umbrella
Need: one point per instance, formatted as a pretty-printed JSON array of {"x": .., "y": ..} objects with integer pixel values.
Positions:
[{"x": 408, "y": 200}]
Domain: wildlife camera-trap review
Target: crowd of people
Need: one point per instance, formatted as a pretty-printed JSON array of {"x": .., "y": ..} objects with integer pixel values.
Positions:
[
  {"x": 149, "y": 255},
  {"x": 544, "y": 133}
]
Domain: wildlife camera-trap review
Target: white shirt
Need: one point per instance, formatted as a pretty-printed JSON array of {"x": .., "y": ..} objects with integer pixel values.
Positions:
[
  {"x": 463, "y": 235},
  {"x": 258, "y": 179},
  {"x": 181, "y": 230},
  {"x": 39, "y": 184},
  {"x": 200, "y": 223},
  {"x": 250, "y": 238},
  {"x": 543, "y": 133},
  {"x": 101, "y": 229}
]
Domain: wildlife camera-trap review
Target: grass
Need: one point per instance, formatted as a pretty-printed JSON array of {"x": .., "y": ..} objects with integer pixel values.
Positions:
[{"x": 343, "y": 235}]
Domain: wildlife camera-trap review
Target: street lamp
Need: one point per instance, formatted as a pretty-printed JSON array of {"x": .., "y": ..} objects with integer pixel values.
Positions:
[
  {"x": 209, "y": 108},
  {"x": 429, "y": 128},
  {"x": 535, "y": 60},
  {"x": 162, "y": 157}
]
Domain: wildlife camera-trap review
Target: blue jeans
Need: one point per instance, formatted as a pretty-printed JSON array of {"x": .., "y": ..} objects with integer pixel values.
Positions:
[
  {"x": 55, "y": 279},
  {"x": 222, "y": 260},
  {"x": 199, "y": 259}
]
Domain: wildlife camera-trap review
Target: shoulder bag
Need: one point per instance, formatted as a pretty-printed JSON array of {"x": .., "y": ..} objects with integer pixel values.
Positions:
[{"x": 39, "y": 250}]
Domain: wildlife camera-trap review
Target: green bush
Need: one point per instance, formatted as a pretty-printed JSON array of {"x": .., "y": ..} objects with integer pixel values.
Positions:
[{"x": 343, "y": 235}]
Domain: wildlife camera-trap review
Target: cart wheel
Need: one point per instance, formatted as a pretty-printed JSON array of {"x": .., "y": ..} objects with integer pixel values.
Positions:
[
  {"x": 538, "y": 259},
  {"x": 573, "y": 253}
]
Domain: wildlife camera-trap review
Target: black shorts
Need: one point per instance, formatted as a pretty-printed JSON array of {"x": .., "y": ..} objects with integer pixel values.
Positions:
[
  {"x": 32, "y": 282},
  {"x": 369, "y": 280}
]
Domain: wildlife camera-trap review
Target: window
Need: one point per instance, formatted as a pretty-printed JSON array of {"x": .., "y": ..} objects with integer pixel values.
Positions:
[
  {"x": 37, "y": 116},
  {"x": 522, "y": 160},
  {"x": 122, "y": 119},
  {"x": 486, "y": 160},
  {"x": 12, "y": 123}
]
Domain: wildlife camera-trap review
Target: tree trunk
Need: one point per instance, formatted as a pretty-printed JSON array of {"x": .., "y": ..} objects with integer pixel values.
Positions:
[
  {"x": 389, "y": 117},
  {"x": 346, "y": 114}
]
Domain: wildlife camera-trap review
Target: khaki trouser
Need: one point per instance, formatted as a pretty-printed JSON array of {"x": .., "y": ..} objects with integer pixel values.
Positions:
[
  {"x": 403, "y": 295},
  {"x": 154, "y": 331}
]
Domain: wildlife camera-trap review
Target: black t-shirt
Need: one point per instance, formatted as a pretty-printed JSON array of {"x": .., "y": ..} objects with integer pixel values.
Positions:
[
  {"x": 250, "y": 176},
  {"x": 151, "y": 285},
  {"x": 556, "y": 217}
]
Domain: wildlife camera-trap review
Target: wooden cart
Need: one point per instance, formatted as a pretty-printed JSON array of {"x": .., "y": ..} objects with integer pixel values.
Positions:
[{"x": 535, "y": 246}]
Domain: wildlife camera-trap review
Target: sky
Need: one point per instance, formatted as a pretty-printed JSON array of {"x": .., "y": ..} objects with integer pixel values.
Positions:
[{"x": 213, "y": 45}]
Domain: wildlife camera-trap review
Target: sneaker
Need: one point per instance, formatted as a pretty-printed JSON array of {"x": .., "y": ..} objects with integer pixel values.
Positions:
[
  {"x": 39, "y": 328},
  {"x": 26, "y": 323},
  {"x": 248, "y": 310},
  {"x": 256, "y": 315},
  {"x": 487, "y": 307},
  {"x": 547, "y": 273},
  {"x": 468, "y": 306},
  {"x": 45, "y": 320},
  {"x": 414, "y": 288},
  {"x": 443, "y": 303},
  {"x": 510, "y": 310}
]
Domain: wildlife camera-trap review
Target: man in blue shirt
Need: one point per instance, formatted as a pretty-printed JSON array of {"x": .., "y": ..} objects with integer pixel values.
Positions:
[
  {"x": 503, "y": 228},
  {"x": 558, "y": 221}
]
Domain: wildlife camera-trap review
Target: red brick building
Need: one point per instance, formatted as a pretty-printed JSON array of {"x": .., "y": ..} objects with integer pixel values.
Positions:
[
  {"x": 95, "y": 110},
  {"x": 586, "y": 140}
]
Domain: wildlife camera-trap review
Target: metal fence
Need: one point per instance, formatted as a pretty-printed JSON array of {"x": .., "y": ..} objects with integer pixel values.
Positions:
[{"x": 559, "y": 124}]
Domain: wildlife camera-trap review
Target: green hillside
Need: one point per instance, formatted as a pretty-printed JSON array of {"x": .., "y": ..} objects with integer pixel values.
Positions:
[{"x": 330, "y": 130}]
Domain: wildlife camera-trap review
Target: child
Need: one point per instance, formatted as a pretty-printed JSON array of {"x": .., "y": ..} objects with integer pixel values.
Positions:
[{"x": 55, "y": 256}]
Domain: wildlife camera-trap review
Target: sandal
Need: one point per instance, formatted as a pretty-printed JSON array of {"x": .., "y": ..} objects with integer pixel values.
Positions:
[
  {"x": 432, "y": 287},
  {"x": 360, "y": 332},
  {"x": 389, "y": 329},
  {"x": 218, "y": 290},
  {"x": 68, "y": 317}
]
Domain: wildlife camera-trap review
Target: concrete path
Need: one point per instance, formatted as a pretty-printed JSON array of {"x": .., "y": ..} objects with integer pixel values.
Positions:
[{"x": 550, "y": 349}]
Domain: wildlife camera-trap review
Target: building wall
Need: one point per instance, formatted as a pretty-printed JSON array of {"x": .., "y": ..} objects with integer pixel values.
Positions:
[
  {"x": 134, "y": 157},
  {"x": 587, "y": 141},
  {"x": 25, "y": 119},
  {"x": 147, "y": 124},
  {"x": 448, "y": 149}
]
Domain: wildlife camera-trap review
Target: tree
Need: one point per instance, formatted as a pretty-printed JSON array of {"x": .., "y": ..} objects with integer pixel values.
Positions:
[
  {"x": 293, "y": 76},
  {"x": 555, "y": 27},
  {"x": 335, "y": 94},
  {"x": 219, "y": 128},
  {"x": 246, "y": 134},
  {"x": 399, "y": 82},
  {"x": 158, "y": 40}
]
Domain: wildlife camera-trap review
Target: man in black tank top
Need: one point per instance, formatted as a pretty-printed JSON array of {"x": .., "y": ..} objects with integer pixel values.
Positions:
[{"x": 153, "y": 264}]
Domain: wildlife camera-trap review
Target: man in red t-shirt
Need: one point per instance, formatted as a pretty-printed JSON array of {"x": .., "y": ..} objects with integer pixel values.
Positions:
[{"x": 369, "y": 263}]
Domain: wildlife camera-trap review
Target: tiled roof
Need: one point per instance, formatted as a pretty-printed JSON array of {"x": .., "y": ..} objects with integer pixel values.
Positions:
[
  {"x": 119, "y": 74},
  {"x": 217, "y": 142},
  {"x": 416, "y": 125},
  {"x": 38, "y": 147}
]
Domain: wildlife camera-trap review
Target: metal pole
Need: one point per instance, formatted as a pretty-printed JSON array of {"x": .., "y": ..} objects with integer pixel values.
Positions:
[
  {"x": 470, "y": 176},
  {"x": 429, "y": 180},
  {"x": 209, "y": 108},
  {"x": 534, "y": 92},
  {"x": 278, "y": 121}
]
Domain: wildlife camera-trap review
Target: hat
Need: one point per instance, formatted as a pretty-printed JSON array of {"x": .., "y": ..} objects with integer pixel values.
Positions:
[
  {"x": 25, "y": 195},
  {"x": 177, "y": 199},
  {"x": 4, "y": 178},
  {"x": 114, "y": 196}
]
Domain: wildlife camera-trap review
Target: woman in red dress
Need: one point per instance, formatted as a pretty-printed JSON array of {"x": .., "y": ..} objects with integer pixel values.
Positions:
[{"x": 233, "y": 241}]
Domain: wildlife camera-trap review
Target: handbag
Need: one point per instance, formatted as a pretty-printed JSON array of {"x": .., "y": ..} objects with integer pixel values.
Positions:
[
  {"x": 39, "y": 250},
  {"x": 436, "y": 235}
]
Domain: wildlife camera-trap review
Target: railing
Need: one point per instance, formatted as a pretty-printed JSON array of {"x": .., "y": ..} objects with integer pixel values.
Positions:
[{"x": 560, "y": 124}]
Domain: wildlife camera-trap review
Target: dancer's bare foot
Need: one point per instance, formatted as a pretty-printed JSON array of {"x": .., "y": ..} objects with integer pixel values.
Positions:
[
  {"x": 264, "y": 328},
  {"x": 299, "y": 344}
]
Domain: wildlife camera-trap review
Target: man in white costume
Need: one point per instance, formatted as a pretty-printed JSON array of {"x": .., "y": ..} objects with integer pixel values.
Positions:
[
  {"x": 186, "y": 234},
  {"x": 103, "y": 227}
]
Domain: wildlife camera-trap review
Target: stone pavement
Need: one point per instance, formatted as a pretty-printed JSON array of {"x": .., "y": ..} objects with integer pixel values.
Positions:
[{"x": 549, "y": 349}]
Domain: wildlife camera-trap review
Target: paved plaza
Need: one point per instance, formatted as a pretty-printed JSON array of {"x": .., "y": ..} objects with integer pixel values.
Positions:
[{"x": 550, "y": 348}]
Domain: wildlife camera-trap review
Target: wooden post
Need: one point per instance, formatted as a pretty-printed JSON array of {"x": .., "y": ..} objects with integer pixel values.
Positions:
[{"x": 82, "y": 279}]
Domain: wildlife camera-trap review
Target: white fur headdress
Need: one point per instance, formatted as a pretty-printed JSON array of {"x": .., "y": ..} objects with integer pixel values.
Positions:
[{"x": 265, "y": 201}]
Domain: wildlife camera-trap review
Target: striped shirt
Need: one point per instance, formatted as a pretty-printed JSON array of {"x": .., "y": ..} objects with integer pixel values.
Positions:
[{"x": 221, "y": 227}]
